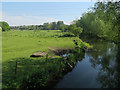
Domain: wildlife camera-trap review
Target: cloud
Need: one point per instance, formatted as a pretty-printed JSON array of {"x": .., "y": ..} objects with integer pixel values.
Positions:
[{"x": 27, "y": 20}]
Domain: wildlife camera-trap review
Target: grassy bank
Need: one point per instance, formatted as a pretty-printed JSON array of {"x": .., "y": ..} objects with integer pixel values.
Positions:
[
  {"x": 22, "y": 71},
  {"x": 17, "y": 44}
]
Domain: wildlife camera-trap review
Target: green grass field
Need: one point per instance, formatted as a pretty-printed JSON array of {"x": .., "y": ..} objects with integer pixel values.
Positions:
[
  {"x": 16, "y": 43},
  {"x": 19, "y": 70}
]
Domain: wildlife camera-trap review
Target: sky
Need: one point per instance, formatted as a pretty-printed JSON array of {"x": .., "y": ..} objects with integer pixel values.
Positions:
[
  {"x": 49, "y": 0},
  {"x": 36, "y": 13}
]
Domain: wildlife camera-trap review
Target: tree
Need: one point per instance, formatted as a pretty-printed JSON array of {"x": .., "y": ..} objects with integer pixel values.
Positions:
[
  {"x": 71, "y": 27},
  {"x": 47, "y": 26},
  {"x": 110, "y": 13},
  {"x": 53, "y": 26},
  {"x": 75, "y": 30},
  {"x": 59, "y": 24},
  {"x": 5, "y": 26},
  {"x": 103, "y": 21},
  {"x": 62, "y": 27}
]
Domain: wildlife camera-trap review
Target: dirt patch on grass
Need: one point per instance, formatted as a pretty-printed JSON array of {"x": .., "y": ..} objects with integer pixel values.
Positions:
[
  {"x": 60, "y": 51},
  {"x": 38, "y": 54},
  {"x": 55, "y": 51}
]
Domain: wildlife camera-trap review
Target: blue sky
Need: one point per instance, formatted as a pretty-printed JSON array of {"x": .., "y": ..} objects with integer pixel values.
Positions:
[{"x": 27, "y": 13}]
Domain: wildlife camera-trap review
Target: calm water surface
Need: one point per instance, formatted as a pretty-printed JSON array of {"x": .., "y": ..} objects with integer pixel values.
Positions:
[{"x": 99, "y": 68}]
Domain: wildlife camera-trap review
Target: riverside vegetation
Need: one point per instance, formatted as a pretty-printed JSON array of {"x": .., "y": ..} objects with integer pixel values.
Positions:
[{"x": 22, "y": 71}]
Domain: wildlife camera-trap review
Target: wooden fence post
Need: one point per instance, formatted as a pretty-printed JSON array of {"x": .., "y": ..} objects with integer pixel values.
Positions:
[
  {"x": 16, "y": 67},
  {"x": 46, "y": 57}
]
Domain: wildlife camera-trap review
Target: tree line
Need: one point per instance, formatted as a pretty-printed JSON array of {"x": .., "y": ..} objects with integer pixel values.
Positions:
[
  {"x": 103, "y": 21},
  {"x": 46, "y": 26}
]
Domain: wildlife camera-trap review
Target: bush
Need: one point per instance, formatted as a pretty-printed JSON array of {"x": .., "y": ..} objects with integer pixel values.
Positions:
[
  {"x": 5, "y": 26},
  {"x": 68, "y": 35},
  {"x": 75, "y": 30}
]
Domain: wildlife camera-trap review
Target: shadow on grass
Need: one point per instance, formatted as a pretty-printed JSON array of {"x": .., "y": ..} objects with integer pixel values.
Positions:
[
  {"x": 27, "y": 73},
  {"x": 68, "y": 35}
]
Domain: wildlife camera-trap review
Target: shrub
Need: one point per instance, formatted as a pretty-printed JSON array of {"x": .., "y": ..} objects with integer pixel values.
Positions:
[{"x": 5, "y": 26}]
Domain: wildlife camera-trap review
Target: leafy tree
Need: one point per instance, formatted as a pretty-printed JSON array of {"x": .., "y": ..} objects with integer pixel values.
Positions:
[
  {"x": 110, "y": 13},
  {"x": 54, "y": 26},
  {"x": 5, "y": 26},
  {"x": 103, "y": 21},
  {"x": 59, "y": 24},
  {"x": 71, "y": 27},
  {"x": 40, "y": 27},
  {"x": 75, "y": 30},
  {"x": 63, "y": 28},
  {"x": 46, "y": 26}
]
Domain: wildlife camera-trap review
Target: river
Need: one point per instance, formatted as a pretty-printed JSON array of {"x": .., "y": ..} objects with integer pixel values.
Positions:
[{"x": 100, "y": 68}]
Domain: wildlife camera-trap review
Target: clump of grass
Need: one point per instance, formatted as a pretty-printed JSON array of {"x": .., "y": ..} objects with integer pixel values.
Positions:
[{"x": 30, "y": 73}]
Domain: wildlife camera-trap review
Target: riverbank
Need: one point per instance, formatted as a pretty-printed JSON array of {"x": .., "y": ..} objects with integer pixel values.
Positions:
[
  {"x": 99, "y": 68},
  {"x": 22, "y": 71}
]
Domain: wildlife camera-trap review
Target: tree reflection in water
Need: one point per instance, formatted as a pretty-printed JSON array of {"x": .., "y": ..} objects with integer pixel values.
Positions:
[{"x": 106, "y": 56}]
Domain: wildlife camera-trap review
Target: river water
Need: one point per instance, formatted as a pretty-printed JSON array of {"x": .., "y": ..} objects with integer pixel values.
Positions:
[{"x": 99, "y": 68}]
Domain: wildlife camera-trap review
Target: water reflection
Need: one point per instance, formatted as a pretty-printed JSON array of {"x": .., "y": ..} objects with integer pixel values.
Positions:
[
  {"x": 109, "y": 75},
  {"x": 107, "y": 57},
  {"x": 99, "y": 68}
]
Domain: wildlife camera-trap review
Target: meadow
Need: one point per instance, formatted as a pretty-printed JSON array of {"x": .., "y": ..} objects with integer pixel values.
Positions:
[
  {"x": 22, "y": 43},
  {"x": 19, "y": 70}
]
